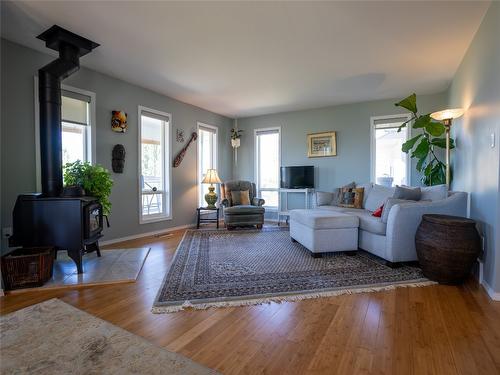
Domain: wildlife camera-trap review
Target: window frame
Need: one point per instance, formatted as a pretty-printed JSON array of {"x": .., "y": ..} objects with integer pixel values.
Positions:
[
  {"x": 373, "y": 148},
  {"x": 167, "y": 178},
  {"x": 276, "y": 129},
  {"x": 91, "y": 148},
  {"x": 215, "y": 156}
]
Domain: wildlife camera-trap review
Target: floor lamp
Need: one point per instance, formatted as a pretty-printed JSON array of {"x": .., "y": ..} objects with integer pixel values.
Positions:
[{"x": 447, "y": 116}]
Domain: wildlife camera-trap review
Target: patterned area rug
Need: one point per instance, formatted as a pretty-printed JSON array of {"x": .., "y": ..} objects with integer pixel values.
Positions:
[
  {"x": 55, "y": 338},
  {"x": 236, "y": 268}
]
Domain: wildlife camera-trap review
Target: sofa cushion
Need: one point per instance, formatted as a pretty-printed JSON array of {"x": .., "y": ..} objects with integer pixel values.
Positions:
[
  {"x": 434, "y": 193},
  {"x": 332, "y": 208},
  {"x": 409, "y": 193},
  {"x": 368, "y": 222},
  {"x": 377, "y": 196},
  {"x": 324, "y": 219},
  {"x": 324, "y": 198},
  {"x": 244, "y": 210},
  {"x": 389, "y": 203},
  {"x": 367, "y": 188}
]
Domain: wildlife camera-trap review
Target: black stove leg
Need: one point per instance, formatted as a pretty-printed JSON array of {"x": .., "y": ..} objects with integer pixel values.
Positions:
[{"x": 76, "y": 255}]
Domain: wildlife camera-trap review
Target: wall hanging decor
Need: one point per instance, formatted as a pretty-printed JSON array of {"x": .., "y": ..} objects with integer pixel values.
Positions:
[
  {"x": 235, "y": 140},
  {"x": 119, "y": 121},
  {"x": 182, "y": 153},
  {"x": 321, "y": 144},
  {"x": 118, "y": 158},
  {"x": 179, "y": 135}
]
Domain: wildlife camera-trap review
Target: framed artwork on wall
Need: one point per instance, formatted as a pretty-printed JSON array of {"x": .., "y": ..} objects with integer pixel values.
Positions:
[{"x": 321, "y": 144}]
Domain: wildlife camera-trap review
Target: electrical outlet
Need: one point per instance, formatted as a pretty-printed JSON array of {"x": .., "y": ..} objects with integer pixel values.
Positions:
[{"x": 6, "y": 232}]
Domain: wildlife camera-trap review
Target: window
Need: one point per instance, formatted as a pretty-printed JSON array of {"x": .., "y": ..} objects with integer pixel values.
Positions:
[
  {"x": 267, "y": 162},
  {"x": 76, "y": 129},
  {"x": 207, "y": 157},
  {"x": 390, "y": 166},
  {"x": 78, "y": 126},
  {"x": 154, "y": 167}
]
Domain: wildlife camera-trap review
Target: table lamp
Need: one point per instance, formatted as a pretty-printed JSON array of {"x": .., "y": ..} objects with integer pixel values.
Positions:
[
  {"x": 446, "y": 116},
  {"x": 211, "y": 177}
]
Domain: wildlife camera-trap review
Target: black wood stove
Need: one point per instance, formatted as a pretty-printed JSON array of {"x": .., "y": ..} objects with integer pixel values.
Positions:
[{"x": 49, "y": 219}]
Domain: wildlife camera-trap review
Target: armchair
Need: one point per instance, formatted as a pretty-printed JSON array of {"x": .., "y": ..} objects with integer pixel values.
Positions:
[{"x": 242, "y": 215}]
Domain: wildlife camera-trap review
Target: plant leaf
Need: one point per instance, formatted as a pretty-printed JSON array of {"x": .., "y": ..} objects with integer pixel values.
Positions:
[
  {"x": 441, "y": 142},
  {"x": 422, "y": 121},
  {"x": 435, "y": 129},
  {"x": 408, "y": 145},
  {"x": 422, "y": 149},
  {"x": 409, "y": 103},
  {"x": 420, "y": 164}
]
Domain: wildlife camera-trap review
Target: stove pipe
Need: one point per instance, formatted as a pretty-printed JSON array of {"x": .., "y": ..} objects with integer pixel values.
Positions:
[{"x": 70, "y": 47}]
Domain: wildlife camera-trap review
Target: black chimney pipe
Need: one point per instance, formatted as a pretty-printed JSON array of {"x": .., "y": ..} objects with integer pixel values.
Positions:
[{"x": 70, "y": 47}]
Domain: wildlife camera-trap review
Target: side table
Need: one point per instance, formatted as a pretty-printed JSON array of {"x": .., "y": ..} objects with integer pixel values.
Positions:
[
  {"x": 200, "y": 210},
  {"x": 447, "y": 247}
]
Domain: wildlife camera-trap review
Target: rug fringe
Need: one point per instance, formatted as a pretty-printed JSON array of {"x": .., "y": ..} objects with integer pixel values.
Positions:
[{"x": 285, "y": 298}]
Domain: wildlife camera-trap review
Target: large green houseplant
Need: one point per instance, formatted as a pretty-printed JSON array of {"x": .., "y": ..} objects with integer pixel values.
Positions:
[
  {"x": 94, "y": 179},
  {"x": 423, "y": 146}
]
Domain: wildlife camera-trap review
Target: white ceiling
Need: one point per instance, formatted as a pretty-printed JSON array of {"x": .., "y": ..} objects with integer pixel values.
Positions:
[{"x": 250, "y": 58}]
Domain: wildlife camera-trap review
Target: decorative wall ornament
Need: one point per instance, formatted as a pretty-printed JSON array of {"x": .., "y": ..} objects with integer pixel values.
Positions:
[
  {"x": 118, "y": 158},
  {"x": 119, "y": 121},
  {"x": 180, "y": 156},
  {"x": 321, "y": 144},
  {"x": 179, "y": 135},
  {"x": 235, "y": 140}
]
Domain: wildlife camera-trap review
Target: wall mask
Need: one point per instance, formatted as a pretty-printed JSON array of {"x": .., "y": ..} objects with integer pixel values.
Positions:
[
  {"x": 119, "y": 121},
  {"x": 118, "y": 158}
]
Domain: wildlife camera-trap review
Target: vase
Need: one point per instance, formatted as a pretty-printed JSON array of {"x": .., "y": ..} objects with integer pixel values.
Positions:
[{"x": 235, "y": 143}]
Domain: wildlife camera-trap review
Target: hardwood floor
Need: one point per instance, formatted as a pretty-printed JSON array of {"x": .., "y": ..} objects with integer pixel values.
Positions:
[{"x": 430, "y": 330}]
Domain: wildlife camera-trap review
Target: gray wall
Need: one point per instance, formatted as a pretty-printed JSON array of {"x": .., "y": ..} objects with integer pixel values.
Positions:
[
  {"x": 352, "y": 124},
  {"x": 18, "y": 66},
  {"x": 476, "y": 87}
]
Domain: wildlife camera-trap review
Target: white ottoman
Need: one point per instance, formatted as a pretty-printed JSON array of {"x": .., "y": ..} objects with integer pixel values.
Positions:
[{"x": 324, "y": 231}]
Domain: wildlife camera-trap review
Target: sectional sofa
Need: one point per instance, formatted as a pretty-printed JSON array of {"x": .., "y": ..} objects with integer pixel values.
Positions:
[{"x": 328, "y": 227}]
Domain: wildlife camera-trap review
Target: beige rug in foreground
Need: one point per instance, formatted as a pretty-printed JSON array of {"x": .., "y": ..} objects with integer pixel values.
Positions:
[{"x": 55, "y": 338}]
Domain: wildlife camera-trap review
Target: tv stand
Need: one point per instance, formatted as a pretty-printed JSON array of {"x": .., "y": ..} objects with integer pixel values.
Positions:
[{"x": 283, "y": 209}]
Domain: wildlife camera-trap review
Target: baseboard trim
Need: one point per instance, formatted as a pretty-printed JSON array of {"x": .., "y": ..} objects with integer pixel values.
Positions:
[
  {"x": 146, "y": 234},
  {"x": 495, "y": 296}
]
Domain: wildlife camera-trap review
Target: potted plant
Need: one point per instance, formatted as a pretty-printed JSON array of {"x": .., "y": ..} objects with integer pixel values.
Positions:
[
  {"x": 235, "y": 137},
  {"x": 422, "y": 146},
  {"x": 94, "y": 179}
]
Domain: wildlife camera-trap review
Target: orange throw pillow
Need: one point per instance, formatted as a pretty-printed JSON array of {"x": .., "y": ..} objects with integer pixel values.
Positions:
[{"x": 240, "y": 198}]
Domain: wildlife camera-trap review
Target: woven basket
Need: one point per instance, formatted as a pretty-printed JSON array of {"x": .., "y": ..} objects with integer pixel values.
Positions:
[{"x": 27, "y": 267}]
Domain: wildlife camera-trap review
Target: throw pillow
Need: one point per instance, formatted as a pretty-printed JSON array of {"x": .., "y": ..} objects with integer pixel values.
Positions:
[
  {"x": 377, "y": 196},
  {"x": 378, "y": 211},
  {"x": 408, "y": 193},
  {"x": 389, "y": 204},
  {"x": 324, "y": 198},
  {"x": 337, "y": 193},
  {"x": 240, "y": 198},
  {"x": 352, "y": 197},
  {"x": 434, "y": 193}
]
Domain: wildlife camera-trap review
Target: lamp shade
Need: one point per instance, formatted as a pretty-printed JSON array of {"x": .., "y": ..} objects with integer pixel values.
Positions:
[
  {"x": 447, "y": 114},
  {"x": 211, "y": 177}
]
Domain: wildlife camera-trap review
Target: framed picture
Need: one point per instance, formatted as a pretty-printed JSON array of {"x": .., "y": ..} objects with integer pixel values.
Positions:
[{"x": 321, "y": 144}]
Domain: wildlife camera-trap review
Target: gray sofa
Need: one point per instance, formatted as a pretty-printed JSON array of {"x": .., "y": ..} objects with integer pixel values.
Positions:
[
  {"x": 392, "y": 236},
  {"x": 242, "y": 215}
]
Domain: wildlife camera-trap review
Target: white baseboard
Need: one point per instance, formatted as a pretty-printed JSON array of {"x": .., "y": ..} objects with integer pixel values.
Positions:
[
  {"x": 146, "y": 234},
  {"x": 495, "y": 296}
]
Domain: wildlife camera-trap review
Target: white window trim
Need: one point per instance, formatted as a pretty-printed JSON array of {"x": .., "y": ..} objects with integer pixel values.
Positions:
[
  {"x": 168, "y": 165},
  {"x": 215, "y": 155},
  {"x": 373, "y": 148},
  {"x": 91, "y": 149},
  {"x": 256, "y": 163}
]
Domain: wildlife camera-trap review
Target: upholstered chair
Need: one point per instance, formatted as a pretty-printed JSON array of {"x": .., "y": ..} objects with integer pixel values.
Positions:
[{"x": 236, "y": 214}]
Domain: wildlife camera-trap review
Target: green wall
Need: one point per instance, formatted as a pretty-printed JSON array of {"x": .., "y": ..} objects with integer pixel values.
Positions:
[
  {"x": 18, "y": 67},
  {"x": 476, "y": 87}
]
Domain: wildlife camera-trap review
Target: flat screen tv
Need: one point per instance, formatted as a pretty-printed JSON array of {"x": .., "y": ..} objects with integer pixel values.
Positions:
[{"x": 300, "y": 177}]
